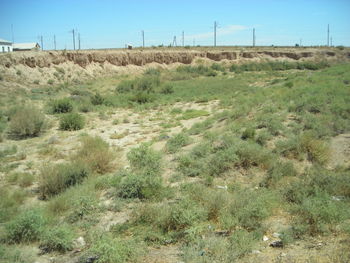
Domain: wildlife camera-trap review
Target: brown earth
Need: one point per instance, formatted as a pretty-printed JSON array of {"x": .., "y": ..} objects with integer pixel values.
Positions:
[{"x": 54, "y": 67}]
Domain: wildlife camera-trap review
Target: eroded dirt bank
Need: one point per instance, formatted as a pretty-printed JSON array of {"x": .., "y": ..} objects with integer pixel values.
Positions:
[{"x": 143, "y": 57}]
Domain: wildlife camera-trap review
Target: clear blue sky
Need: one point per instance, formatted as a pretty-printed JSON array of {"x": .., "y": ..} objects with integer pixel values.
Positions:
[{"x": 109, "y": 24}]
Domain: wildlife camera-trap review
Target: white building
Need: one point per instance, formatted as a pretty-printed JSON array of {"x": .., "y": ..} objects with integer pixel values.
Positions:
[
  {"x": 5, "y": 46},
  {"x": 26, "y": 46}
]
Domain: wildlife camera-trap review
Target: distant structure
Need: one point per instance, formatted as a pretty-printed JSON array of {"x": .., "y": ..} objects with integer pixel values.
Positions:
[
  {"x": 5, "y": 46},
  {"x": 26, "y": 47}
]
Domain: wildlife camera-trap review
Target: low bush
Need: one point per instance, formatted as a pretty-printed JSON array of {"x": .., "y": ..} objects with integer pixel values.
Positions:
[
  {"x": 97, "y": 99},
  {"x": 146, "y": 160},
  {"x": 72, "y": 122},
  {"x": 96, "y": 154},
  {"x": 167, "y": 89},
  {"x": 111, "y": 250},
  {"x": 217, "y": 67},
  {"x": 61, "y": 106},
  {"x": 276, "y": 172},
  {"x": 27, "y": 121},
  {"x": 54, "y": 179},
  {"x": 176, "y": 142},
  {"x": 59, "y": 238},
  {"x": 11, "y": 199},
  {"x": 140, "y": 186},
  {"x": 26, "y": 227}
]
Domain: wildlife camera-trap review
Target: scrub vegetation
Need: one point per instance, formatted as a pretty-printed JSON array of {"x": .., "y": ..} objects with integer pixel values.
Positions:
[{"x": 209, "y": 160}]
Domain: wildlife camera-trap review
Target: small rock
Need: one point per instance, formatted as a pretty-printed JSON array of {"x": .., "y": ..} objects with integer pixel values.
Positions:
[
  {"x": 256, "y": 252},
  {"x": 265, "y": 238},
  {"x": 283, "y": 254},
  {"x": 52, "y": 140},
  {"x": 338, "y": 198},
  {"x": 277, "y": 243},
  {"x": 222, "y": 187},
  {"x": 79, "y": 242},
  {"x": 276, "y": 235}
]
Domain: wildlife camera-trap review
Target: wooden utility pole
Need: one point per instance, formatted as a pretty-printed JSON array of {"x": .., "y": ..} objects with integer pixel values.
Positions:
[
  {"x": 328, "y": 35},
  {"x": 79, "y": 41},
  {"x": 73, "y": 39},
  {"x": 143, "y": 39},
  {"x": 54, "y": 41},
  {"x": 174, "y": 42},
  {"x": 42, "y": 42},
  {"x": 253, "y": 37},
  {"x": 215, "y": 26},
  {"x": 183, "y": 38}
]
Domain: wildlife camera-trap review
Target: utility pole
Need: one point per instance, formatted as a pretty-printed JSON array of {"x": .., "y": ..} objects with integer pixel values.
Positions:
[
  {"x": 194, "y": 42},
  {"x": 54, "y": 41},
  {"x": 331, "y": 41},
  {"x": 73, "y": 39},
  {"x": 328, "y": 35},
  {"x": 215, "y": 26},
  {"x": 253, "y": 37},
  {"x": 143, "y": 39},
  {"x": 13, "y": 38},
  {"x": 174, "y": 42},
  {"x": 301, "y": 41},
  {"x": 183, "y": 38},
  {"x": 79, "y": 40},
  {"x": 42, "y": 43}
]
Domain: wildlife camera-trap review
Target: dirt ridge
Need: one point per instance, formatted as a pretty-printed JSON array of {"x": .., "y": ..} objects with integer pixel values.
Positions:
[{"x": 143, "y": 57}]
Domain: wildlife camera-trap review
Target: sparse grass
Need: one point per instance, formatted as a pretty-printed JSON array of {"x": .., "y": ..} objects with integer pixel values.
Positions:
[
  {"x": 175, "y": 143},
  {"x": 59, "y": 238},
  {"x": 191, "y": 114}
]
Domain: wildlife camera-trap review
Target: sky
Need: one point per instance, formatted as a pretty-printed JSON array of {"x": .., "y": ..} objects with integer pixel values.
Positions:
[{"x": 113, "y": 24}]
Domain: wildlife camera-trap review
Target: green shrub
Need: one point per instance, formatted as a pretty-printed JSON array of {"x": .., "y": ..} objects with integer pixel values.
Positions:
[
  {"x": 96, "y": 154},
  {"x": 248, "y": 133},
  {"x": 61, "y": 106},
  {"x": 318, "y": 214},
  {"x": 222, "y": 161},
  {"x": 276, "y": 172},
  {"x": 11, "y": 199},
  {"x": 50, "y": 81},
  {"x": 126, "y": 86},
  {"x": 26, "y": 122},
  {"x": 26, "y": 227},
  {"x": 97, "y": 99},
  {"x": 217, "y": 67},
  {"x": 112, "y": 250},
  {"x": 72, "y": 122},
  {"x": 145, "y": 159},
  {"x": 140, "y": 186},
  {"x": 142, "y": 97},
  {"x": 16, "y": 254},
  {"x": 167, "y": 89},
  {"x": 59, "y": 238},
  {"x": 177, "y": 141},
  {"x": 54, "y": 179}
]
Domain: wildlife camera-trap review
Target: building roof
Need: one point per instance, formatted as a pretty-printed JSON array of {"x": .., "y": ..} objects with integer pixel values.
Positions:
[
  {"x": 5, "y": 41},
  {"x": 25, "y": 45}
]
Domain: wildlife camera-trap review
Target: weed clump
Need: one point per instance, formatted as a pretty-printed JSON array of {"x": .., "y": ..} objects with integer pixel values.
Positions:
[
  {"x": 59, "y": 239},
  {"x": 26, "y": 122},
  {"x": 176, "y": 142},
  {"x": 54, "y": 179},
  {"x": 96, "y": 154},
  {"x": 61, "y": 106},
  {"x": 72, "y": 122},
  {"x": 27, "y": 227}
]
